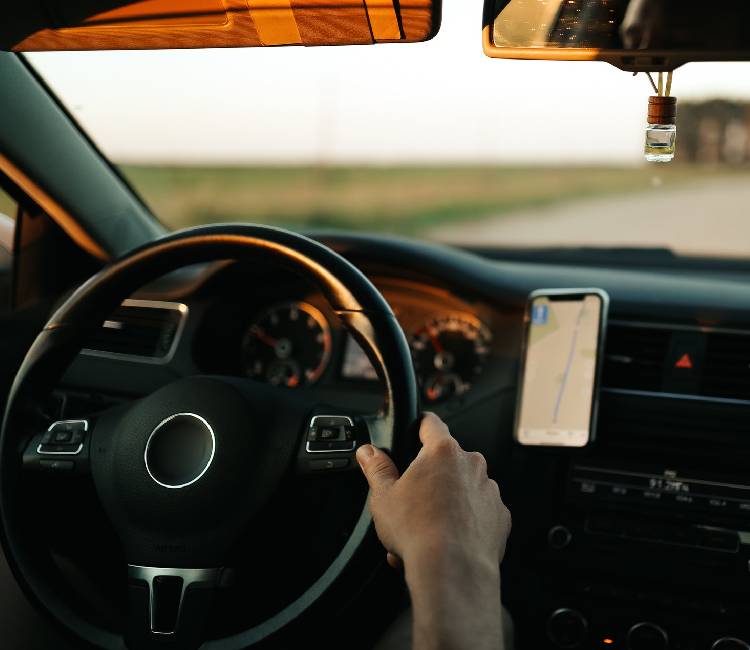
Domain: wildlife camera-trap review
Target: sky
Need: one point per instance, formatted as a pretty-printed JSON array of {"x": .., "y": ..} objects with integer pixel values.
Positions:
[{"x": 441, "y": 101}]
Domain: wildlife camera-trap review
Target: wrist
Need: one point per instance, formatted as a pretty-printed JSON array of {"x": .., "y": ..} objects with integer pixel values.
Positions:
[
  {"x": 450, "y": 576},
  {"x": 442, "y": 561},
  {"x": 447, "y": 584}
]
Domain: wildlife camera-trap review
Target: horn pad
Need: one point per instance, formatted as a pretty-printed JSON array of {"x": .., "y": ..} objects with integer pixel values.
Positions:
[
  {"x": 179, "y": 450},
  {"x": 189, "y": 465}
]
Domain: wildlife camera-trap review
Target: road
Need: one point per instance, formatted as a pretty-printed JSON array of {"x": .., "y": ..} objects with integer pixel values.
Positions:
[{"x": 708, "y": 218}]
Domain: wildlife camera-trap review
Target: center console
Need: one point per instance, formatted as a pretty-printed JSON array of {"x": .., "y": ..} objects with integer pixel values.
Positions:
[{"x": 639, "y": 542}]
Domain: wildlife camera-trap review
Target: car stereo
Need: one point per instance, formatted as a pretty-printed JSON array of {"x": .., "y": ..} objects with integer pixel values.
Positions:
[{"x": 678, "y": 491}]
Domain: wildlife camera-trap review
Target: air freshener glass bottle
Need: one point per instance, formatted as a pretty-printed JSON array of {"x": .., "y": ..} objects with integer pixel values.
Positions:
[{"x": 661, "y": 130}]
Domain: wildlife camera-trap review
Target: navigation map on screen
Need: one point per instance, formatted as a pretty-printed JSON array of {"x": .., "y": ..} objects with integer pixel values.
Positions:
[{"x": 560, "y": 371}]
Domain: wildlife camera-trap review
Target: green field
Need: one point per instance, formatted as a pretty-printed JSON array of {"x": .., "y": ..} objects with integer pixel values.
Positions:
[
  {"x": 7, "y": 205},
  {"x": 404, "y": 199}
]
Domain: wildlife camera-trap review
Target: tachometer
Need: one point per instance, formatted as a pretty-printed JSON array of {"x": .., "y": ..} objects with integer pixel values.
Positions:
[
  {"x": 288, "y": 345},
  {"x": 448, "y": 355}
]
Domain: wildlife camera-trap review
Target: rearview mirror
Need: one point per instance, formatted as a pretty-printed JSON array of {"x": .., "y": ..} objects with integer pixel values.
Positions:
[
  {"x": 635, "y": 35},
  {"x": 39, "y": 25}
]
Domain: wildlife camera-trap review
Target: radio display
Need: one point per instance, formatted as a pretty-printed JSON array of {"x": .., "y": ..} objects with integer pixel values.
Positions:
[{"x": 668, "y": 487}]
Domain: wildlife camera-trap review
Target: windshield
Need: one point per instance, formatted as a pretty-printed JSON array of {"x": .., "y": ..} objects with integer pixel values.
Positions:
[{"x": 430, "y": 140}]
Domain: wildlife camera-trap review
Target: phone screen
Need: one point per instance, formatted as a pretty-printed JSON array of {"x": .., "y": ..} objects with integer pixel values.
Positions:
[{"x": 560, "y": 369}]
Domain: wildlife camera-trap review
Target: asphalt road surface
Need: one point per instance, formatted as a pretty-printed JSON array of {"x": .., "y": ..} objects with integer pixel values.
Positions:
[{"x": 710, "y": 218}]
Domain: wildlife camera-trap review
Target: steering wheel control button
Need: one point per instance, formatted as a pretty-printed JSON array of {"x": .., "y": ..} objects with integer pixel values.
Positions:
[
  {"x": 330, "y": 433},
  {"x": 57, "y": 465},
  {"x": 567, "y": 628},
  {"x": 647, "y": 636},
  {"x": 64, "y": 437},
  {"x": 180, "y": 450},
  {"x": 329, "y": 464}
]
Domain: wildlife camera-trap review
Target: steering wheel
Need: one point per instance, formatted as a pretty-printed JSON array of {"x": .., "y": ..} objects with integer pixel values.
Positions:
[{"x": 183, "y": 472}]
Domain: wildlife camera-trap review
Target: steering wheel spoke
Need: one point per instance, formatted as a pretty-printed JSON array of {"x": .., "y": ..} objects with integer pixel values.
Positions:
[
  {"x": 168, "y": 607},
  {"x": 379, "y": 430}
]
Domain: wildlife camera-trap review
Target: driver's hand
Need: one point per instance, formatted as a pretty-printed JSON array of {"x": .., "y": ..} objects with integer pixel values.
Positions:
[{"x": 444, "y": 504}]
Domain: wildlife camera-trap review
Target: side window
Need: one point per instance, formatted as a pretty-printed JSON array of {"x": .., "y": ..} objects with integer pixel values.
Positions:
[{"x": 8, "y": 210}]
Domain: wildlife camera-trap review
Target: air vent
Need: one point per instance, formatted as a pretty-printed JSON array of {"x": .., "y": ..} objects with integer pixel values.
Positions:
[
  {"x": 140, "y": 330},
  {"x": 634, "y": 357},
  {"x": 709, "y": 363},
  {"x": 664, "y": 422},
  {"x": 676, "y": 387},
  {"x": 726, "y": 366}
]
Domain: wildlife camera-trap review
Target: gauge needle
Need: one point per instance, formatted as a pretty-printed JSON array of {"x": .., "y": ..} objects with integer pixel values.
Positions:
[
  {"x": 433, "y": 393},
  {"x": 435, "y": 341},
  {"x": 262, "y": 336}
]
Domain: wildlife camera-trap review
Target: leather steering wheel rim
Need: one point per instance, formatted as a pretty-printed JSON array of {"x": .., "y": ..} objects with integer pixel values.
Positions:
[{"x": 358, "y": 304}]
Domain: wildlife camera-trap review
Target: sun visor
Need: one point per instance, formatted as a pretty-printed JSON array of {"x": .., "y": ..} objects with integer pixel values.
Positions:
[{"x": 43, "y": 25}]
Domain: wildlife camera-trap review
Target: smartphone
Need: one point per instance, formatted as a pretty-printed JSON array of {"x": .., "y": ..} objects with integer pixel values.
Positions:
[{"x": 560, "y": 367}]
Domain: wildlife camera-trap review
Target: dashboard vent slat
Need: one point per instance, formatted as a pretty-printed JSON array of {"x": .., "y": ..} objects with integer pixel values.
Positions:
[
  {"x": 634, "y": 357},
  {"x": 139, "y": 330},
  {"x": 665, "y": 423},
  {"x": 726, "y": 368}
]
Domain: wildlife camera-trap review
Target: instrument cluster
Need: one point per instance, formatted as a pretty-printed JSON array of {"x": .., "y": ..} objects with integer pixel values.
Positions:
[{"x": 296, "y": 344}]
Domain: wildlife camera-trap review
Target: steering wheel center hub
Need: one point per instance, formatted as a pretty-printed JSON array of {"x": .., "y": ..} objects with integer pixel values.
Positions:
[
  {"x": 180, "y": 450},
  {"x": 182, "y": 471}
]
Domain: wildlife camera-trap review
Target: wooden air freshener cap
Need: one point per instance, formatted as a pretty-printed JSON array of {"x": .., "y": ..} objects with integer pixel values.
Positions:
[{"x": 662, "y": 110}]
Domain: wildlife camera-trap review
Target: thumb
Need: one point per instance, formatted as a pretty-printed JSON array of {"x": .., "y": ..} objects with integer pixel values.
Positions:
[{"x": 377, "y": 467}]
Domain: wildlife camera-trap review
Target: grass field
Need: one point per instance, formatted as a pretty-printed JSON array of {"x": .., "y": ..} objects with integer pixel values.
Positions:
[
  {"x": 7, "y": 205},
  {"x": 406, "y": 199}
]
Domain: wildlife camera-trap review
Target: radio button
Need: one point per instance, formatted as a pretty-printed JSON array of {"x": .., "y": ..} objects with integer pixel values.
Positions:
[
  {"x": 647, "y": 636},
  {"x": 719, "y": 541},
  {"x": 567, "y": 628},
  {"x": 559, "y": 537},
  {"x": 730, "y": 643},
  {"x": 641, "y": 530},
  {"x": 587, "y": 487},
  {"x": 604, "y": 524},
  {"x": 683, "y": 535}
]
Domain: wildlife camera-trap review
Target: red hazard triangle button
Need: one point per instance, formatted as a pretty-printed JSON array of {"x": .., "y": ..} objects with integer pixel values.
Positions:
[{"x": 685, "y": 362}]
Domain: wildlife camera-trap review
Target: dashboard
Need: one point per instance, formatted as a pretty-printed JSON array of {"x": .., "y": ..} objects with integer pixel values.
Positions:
[
  {"x": 640, "y": 540},
  {"x": 292, "y": 339}
]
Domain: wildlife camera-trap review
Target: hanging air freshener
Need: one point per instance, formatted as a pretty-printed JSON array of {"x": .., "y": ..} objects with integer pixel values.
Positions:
[{"x": 661, "y": 129}]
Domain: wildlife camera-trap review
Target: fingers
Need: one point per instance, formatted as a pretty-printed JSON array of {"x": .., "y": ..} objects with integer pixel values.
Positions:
[
  {"x": 433, "y": 430},
  {"x": 377, "y": 467}
]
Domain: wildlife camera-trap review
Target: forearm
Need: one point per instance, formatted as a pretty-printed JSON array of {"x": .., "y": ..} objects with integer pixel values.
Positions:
[{"x": 456, "y": 603}]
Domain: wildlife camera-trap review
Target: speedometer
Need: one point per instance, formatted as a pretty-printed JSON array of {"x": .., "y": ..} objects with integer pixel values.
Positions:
[
  {"x": 448, "y": 355},
  {"x": 287, "y": 345}
]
